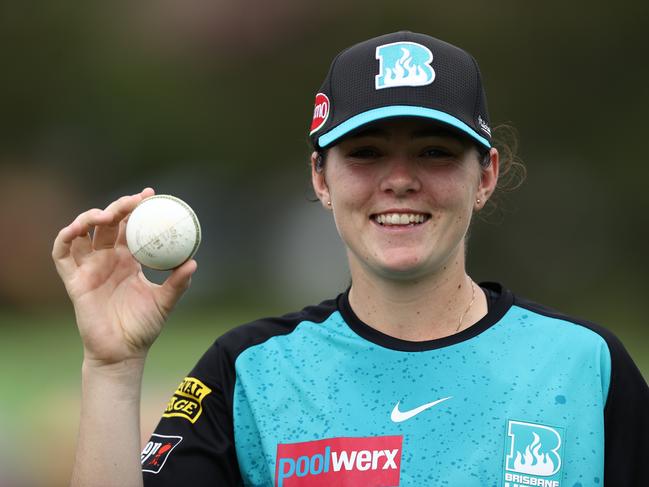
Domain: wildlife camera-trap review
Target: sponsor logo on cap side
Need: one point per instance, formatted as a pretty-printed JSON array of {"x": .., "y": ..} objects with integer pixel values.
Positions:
[
  {"x": 156, "y": 452},
  {"x": 369, "y": 461},
  {"x": 403, "y": 64},
  {"x": 484, "y": 125},
  {"x": 187, "y": 400},
  {"x": 320, "y": 112}
]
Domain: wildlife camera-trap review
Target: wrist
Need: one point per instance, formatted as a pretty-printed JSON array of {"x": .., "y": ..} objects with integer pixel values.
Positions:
[{"x": 127, "y": 373}]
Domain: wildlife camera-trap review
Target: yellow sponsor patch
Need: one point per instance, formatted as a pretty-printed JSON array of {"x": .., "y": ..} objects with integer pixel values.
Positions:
[{"x": 186, "y": 401}]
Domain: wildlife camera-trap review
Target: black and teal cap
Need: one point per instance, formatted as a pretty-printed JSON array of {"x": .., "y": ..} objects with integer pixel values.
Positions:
[{"x": 403, "y": 74}]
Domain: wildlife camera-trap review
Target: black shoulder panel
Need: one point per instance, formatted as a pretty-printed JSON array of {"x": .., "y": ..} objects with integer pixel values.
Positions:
[
  {"x": 626, "y": 415},
  {"x": 204, "y": 452},
  {"x": 237, "y": 340}
]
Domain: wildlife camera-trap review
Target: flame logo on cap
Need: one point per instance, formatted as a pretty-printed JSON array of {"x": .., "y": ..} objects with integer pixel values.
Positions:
[{"x": 404, "y": 64}]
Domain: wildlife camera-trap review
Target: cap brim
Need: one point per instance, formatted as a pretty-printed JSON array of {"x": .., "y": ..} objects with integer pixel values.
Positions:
[{"x": 369, "y": 116}]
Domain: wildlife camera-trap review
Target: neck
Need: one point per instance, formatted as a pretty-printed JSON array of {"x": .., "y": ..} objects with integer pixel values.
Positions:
[{"x": 416, "y": 309}]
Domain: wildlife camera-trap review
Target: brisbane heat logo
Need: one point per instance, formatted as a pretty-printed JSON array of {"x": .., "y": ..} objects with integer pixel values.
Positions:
[
  {"x": 534, "y": 455},
  {"x": 404, "y": 64},
  {"x": 371, "y": 462}
]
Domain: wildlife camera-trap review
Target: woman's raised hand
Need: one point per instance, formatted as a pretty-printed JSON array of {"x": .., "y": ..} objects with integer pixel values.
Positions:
[{"x": 119, "y": 311}]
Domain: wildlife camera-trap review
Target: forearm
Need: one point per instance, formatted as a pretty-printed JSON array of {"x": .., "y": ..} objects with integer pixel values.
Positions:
[{"x": 108, "y": 450}]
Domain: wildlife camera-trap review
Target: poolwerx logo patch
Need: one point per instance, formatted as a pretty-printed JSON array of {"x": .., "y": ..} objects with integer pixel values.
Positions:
[
  {"x": 186, "y": 401},
  {"x": 371, "y": 462}
]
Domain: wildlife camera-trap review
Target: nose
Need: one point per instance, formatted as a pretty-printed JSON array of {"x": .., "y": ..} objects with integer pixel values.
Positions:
[{"x": 401, "y": 177}]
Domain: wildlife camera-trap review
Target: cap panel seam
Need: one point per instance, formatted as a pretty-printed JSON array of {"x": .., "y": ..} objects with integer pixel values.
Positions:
[
  {"x": 477, "y": 88},
  {"x": 327, "y": 88},
  {"x": 332, "y": 107}
]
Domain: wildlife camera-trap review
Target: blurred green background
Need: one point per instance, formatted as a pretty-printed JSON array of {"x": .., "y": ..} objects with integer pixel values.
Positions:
[{"x": 211, "y": 100}]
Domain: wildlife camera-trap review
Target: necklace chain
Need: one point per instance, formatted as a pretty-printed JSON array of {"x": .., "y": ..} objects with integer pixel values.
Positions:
[{"x": 459, "y": 325}]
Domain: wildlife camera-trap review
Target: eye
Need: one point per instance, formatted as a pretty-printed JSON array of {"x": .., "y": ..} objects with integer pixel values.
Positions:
[
  {"x": 437, "y": 153},
  {"x": 364, "y": 153}
]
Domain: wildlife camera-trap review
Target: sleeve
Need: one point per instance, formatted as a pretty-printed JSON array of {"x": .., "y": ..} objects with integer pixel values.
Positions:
[
  {"x": 193, "y": 443},
  {"x": 626, "y": 420}
]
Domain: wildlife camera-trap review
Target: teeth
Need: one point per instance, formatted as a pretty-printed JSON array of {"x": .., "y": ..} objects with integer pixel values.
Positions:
[{"x": 399, "y": 218}]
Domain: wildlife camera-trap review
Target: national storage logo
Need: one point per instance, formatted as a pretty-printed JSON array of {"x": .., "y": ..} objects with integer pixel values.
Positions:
[
  {"x": 187, "y": 400},
  {"x": 371, "y": 462}
]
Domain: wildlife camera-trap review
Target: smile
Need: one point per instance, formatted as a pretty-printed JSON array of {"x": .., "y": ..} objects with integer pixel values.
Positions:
[{"x": 394, "y": 219}]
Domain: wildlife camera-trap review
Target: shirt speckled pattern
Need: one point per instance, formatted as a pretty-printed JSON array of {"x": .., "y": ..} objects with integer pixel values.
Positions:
[{"x": 522, "y": 396}]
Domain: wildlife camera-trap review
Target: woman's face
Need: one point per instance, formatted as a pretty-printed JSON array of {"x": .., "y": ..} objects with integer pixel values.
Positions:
[{"x": 402, "y": 193}]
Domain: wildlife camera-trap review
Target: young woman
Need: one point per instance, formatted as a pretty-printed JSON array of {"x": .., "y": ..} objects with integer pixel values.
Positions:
[{"x": 416, "y": 375}]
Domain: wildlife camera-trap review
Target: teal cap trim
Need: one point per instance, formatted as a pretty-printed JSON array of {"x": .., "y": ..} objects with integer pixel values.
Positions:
[{"x": 397, "y": 111}]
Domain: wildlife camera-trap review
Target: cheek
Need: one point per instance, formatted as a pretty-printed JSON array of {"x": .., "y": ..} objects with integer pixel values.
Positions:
[
  {"x": 452, "y": 203},
  {"x": 456, "y": 190},
  {"x": 348, "y": 191},
  {"x": 448, "y": 193}
]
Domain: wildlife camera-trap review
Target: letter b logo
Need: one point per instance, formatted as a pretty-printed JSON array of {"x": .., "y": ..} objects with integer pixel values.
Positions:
[
  {"x": 535, "y": 449},
  {"x": 404, "y": 64}
]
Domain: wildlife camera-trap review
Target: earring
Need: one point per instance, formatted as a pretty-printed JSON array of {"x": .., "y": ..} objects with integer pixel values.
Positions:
[
  {"x": 329, "y": 203},
  {"x": 478, "y": 201}
]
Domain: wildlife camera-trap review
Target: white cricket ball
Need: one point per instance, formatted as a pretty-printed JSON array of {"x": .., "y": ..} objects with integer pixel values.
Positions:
[{"x": 163, "y": 232}]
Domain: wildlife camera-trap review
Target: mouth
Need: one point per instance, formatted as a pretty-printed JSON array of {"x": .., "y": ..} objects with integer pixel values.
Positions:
[{"x": 399, "y": 219}]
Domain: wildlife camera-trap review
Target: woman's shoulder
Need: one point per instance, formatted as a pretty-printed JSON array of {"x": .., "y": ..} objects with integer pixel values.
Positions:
[
  {"x": 242, "y": 337},
  {"x": 523, "y": 316},
  {"x": 579, "y": 334},
  {"x": 550, "y": 316}
]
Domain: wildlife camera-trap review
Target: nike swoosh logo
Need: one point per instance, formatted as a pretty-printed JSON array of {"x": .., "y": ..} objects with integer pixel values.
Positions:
[{"x": 399, "y": 416}]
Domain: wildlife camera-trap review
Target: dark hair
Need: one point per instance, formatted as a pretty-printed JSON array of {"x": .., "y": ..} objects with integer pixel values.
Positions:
[
  {"x": 320, "y": 159},
  {"x": 512, "y": 171}
]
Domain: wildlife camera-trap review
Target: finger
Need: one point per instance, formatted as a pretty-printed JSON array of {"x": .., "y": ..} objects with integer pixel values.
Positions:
[
  {"x": 83, "y": 224},
  {"x": 176, "y": 284},
  {"x": 73, "y": 240},
  {"x": 81, "y": 247},
  {"x": 121, "y": 235},
  {"x": 61, "y": 250},
  {"x": 106, "y": 236}
]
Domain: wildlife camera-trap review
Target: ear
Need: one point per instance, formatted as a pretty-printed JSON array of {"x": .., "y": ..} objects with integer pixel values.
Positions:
[
  {"x": 488, "y": 178},
  {"x": 319, "y": 182}
]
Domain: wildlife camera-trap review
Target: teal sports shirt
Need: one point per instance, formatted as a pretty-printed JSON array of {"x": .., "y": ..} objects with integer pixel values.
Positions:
[{"x": 526, "y": 396}]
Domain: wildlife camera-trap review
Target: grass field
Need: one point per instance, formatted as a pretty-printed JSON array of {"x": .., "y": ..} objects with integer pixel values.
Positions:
[
  {"x": 40, "y": 359},
  {"x": 40, "y": 362}
]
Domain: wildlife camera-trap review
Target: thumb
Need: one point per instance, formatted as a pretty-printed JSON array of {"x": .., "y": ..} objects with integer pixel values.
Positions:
[{"x": 176, "y": 284}]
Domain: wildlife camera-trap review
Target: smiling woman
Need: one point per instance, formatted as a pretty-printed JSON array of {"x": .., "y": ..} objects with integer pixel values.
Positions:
[
  {"x": 414, "y": 375},
  {"x": 403, "y": 193}
]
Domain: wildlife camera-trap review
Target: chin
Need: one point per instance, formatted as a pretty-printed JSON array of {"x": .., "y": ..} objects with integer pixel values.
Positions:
[{"x": 403, "y": 268}]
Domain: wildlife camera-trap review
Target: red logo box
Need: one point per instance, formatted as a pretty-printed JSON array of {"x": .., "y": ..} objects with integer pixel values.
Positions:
[
  {"x": 320, "y": 111},
  {"x": 370, "y": 462}
]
